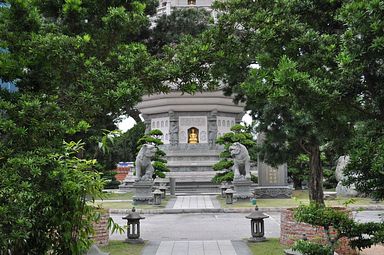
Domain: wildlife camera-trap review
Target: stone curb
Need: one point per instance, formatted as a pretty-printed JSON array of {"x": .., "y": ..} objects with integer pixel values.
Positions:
[{"x": 230, "y": 210}]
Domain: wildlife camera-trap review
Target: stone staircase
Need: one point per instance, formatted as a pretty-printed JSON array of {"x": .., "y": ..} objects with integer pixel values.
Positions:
[
  {"x": 187, "y": 183},
  {"x": 194, "y": 182}
]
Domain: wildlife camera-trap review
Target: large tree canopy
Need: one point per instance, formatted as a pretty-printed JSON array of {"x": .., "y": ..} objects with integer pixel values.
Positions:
[
  {"x": 78, "y": 64},
  {"x": 282, "y": 62},
  {"x": 362, "y": 63},
  {"x": 307, "y": 70},
  {"x": 169, "y": 29}
]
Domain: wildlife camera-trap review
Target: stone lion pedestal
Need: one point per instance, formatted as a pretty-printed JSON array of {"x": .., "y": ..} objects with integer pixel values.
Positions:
[
  {"x": 142, "y": 191},
  {"x": 242, "y": 189}
]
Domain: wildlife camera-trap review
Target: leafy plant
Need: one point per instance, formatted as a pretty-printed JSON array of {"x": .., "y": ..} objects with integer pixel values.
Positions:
[{"x": 336, "y": 224}]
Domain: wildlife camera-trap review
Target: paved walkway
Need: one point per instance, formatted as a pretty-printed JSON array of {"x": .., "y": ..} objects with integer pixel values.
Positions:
[
  {"x": 196, "y": 226},
  {"x": 215, "y": 247},
  {"x": 195, "y": 202},
  {"x": 219, "y": 247}
]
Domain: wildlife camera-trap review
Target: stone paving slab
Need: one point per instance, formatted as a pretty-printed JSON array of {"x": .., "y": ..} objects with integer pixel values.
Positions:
[
  {"x": 194, "y": 202},
  {"x": 207, "y": 247}
]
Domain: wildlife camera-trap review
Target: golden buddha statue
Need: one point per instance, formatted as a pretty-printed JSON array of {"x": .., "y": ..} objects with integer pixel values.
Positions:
[{"x": 192, "y": 137}]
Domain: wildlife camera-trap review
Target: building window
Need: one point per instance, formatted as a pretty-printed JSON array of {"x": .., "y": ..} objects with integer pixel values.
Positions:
[{"x": 191, "y": 2}]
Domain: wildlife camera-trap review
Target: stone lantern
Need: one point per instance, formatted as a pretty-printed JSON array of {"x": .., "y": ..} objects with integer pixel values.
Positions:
[
  {"x": 257, "y": 225},
  {"x": 229, "y": 196},
  {"x": 163, "y": 189},
  {"x": 157, "y": 197},
  {"x": 223, "y": 188},
  {"x": 133, "y": 222}
]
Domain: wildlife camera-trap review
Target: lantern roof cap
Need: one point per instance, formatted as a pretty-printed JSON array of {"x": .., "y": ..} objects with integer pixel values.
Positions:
[
  {"x": 257, "y": 215},
  {"x": 133, "y": 215},
  {"x": 228, "y": 191},
  {"x": 157, "y": 191}
]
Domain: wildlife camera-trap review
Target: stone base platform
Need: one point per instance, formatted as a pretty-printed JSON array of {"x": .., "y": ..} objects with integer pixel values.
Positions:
[
  {"x": 242, "y": 189},
  {"x": 142, "y": 191},
  {"x": 273, "y": 192}
]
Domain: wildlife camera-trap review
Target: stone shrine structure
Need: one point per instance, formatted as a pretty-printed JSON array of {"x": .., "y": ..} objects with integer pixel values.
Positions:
[
  {"x": 273, "y": 182},
  {"x": 190, "y": 126}
]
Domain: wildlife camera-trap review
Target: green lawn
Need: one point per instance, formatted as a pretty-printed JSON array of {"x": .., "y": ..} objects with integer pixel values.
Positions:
[
  {"x": 121, "y": 248},
  {"x": 270, "y": 247},
  {"x": 298, "y": 197},
  {"x": 118, "y": 196}
]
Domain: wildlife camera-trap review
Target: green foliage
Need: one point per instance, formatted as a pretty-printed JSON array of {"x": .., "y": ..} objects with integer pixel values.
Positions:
[
  {"x": 170, "y": 28},
  {"x": 365, "y": 168},
  {"x": 110, "y": 180},
  {"x": 254, "y": 178},
  {"x": 43, "y": 202},
  {"x": 309, "y": 248},
  {"x": 223, "y": 177},
  {"x": 123, "y": 148},
  {"x": 330, "y": 181},
  {"x": 336, "y": 224},
  {"x": 239, "y": 134},
  {"x": 158, "y": 161},
  {"x": 78, "y": 65},
  {"x": 223, "y": 164}
]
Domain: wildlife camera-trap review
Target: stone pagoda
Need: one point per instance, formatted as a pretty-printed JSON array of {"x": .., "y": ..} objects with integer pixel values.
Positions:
[{"x": 190, "y": 125}]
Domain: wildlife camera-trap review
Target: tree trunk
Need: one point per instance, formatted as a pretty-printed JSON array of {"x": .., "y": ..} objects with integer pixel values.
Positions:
[
  {"x": 135, "y": 114},
  {"x": 316, "y": 193}
]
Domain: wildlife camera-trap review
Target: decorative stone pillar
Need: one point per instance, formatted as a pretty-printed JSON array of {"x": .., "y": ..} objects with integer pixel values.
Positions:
[
  {"x": 174, "y": 129},
  {"x": 212, "y": 128}
]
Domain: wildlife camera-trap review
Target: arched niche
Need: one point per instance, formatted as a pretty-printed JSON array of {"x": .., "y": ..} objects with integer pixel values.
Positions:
[{"x": 193, "y": 135}]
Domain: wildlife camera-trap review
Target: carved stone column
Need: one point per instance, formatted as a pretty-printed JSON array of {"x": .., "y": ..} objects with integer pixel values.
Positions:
[
  {"x": 173, "y": 129},
  {"x": 212, "y": 128}
]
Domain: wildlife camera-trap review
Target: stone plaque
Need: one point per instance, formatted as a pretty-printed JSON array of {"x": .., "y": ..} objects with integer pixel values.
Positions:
[{"x": 272, "y": 175}]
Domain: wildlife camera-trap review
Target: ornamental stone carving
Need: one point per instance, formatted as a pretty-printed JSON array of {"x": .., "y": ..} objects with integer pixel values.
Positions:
[
  {"x": 144, "y": 168},
  {"x": 241, "y": 161}
]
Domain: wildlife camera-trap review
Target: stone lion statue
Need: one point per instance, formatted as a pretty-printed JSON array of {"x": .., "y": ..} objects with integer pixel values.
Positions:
[
  {"x": 241, "y": 161},
  {"x": 143, "y": 165}
]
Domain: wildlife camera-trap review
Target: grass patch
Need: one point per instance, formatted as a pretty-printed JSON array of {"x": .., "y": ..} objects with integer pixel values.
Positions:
[
  {"x": 121, "y": 248},
  {"x": 118, "y": 196},
  {"x": 298, "y": 197},
  {"x": 270, "y": 247}
]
